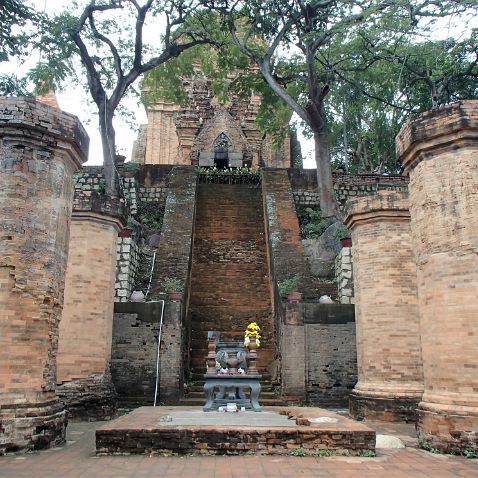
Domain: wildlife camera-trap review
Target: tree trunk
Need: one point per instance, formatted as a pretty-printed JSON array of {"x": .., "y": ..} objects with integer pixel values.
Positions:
[
  {"x": 109, "y": 150},
  {"x": 328, "y": 204}
]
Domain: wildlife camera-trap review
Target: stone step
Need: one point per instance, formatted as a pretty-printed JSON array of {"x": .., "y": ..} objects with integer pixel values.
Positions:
[{"x": 268, "y": 402}]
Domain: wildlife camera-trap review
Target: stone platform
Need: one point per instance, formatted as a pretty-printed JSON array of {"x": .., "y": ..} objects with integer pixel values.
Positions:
[{"x": 274, "y": 431}]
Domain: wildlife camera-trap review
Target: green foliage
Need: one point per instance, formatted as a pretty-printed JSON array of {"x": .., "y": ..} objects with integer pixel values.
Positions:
[
  {"x": 131, "y": 167},
  {"x": 289, "y": 285},
  {"x": 11, "y": 85},
  {"x": 428, "y": 446},
  {"x": 242, "y": 175},
  {"x": 228, "y": 72},
  {"x": 384, "y": 79},
  {"x": 151, "y": 214},
  {"x": 298, "y": 452},
  {"x": 277, "y": 392},
  {"x": 16, "y": 19},
  {"x": 367, "y": 453},
  {"x": 312, "y": 226},
  {"x": 172, "y": 284},
  {"x": 342, "y": 232},
  {"x": 470, "y": 453},
  {"x": 319, "y": 452}
]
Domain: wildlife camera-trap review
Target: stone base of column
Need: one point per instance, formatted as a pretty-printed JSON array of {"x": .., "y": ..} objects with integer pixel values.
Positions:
[
  {"x": 25, "y": 426},
  {"x": 92, "y": 398},
  {"x": 449, "y": 429},
  {"x": 387, "y": 409}
]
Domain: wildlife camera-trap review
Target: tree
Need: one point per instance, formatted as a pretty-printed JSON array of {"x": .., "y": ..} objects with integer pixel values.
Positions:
[
  {"x": 263, "y": 30},
  {"x": 108, "y": 38},
  {"x": 368, "y": 107},
  {"x": 14, "y": 17},
  {"x": 17, "y": 22}
]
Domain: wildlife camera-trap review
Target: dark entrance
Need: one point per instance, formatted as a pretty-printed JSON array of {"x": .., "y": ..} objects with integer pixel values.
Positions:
[
  {"x": 221, "y": 151},
  {"x": 221, "y": 158}
]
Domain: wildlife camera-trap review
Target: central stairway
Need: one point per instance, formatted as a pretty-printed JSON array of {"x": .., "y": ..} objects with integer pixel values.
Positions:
[{"x": 230, "y": 283}]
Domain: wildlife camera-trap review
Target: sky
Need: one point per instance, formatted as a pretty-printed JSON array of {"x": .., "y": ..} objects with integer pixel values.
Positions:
[{"x": 77, "y": 101}]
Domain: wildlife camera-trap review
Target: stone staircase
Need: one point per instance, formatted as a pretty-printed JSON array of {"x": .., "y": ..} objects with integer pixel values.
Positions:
[{"x": 230, "y": 284}]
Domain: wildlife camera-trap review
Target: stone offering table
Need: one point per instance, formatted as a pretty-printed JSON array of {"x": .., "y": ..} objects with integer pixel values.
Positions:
[{"x": 231, "y": 390}]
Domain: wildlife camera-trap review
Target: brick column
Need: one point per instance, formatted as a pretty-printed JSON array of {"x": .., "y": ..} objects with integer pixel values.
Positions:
[
  {"x": 84, "y": 349},
  {"x": 171, "y": 358},
  {"x": 292, "y": 343},
  {"x": 40, "y": 148},
  {"x": 439, "y": 150},
  {"x": 390, "y": 382}
]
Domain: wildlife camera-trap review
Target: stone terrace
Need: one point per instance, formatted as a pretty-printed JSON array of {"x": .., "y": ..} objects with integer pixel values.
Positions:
[{"x": 274, "y": 431}]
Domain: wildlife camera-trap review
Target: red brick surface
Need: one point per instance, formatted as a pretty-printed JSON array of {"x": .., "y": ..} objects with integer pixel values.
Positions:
[
  {"x": 230, "y": 284},
  {"x": 77, "y": 460}
]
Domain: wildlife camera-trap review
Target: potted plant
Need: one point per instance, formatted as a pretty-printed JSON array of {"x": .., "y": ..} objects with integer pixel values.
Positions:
[
  {"x": 173, "y": 287},
  {"x": 343, "y": 234},
  {"x": 127, "y": 231},
  {"x": 288, "y": 288}
]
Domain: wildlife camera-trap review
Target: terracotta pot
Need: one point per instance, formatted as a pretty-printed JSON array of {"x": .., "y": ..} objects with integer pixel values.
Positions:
[
  {"x": 126, "y": 232},
  {"x": 294, "y": 296},
  {"x": 346, "y": 242},
  {"x": 174, "y": 295},
  {"x": 120, "y": 159}
]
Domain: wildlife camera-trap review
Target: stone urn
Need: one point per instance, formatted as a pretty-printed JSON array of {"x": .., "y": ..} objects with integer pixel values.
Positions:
[
  {"x": 137, "y": 296},
  {"x": 232, "y": 362}
]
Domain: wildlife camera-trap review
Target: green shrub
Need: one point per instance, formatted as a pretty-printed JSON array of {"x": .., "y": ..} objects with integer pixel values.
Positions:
[
  {"x": 288, "y": 285},
  {"x": 342, "y": 232},
  {"x": 298, "y": 452},
  {"x": 172, "y": 284}
]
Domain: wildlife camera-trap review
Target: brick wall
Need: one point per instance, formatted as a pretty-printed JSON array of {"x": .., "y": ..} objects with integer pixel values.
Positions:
[
  {"x": 344, "y": 276},
  {"x": 286, "y": 248},
  {"x": 230, "y": 284},
  {"x": 318, "y": 355},
  {"x": 304, "y": 185},
  {"x": 40, "y": 149},
  {"x": 129, "y": 256},
  {"x": 134, "y": 352},
  {"x": 331, "y": 354},
  {"x": 174, "y": 252}
]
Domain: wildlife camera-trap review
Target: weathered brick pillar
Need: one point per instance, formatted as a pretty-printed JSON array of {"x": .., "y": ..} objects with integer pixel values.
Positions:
[
  {"x": 439, "y": 150},
  {"x": 390, "y": 380},
  {"x": 84, "y": 349},
  {"x": 293, "y": 356},
  {"x": 40, "y": 148},
  {"x": 171, "y": 358}
]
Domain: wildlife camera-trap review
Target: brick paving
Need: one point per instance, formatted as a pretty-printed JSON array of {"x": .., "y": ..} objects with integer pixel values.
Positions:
[{"x": 77, "y": 460}]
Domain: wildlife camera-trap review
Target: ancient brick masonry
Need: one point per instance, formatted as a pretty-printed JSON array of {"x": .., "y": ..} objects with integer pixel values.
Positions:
[
  {"x": 390, "y": 382},
  {"x": 230, "y": 284},
  {"x": 84, "y": 350},
  {"x": 41, "y": 147},
  {"x": 439, "y": 150}
]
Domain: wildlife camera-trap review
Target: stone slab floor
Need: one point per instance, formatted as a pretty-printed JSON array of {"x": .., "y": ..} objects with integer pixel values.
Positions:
[{"x": 77, "y": 459}]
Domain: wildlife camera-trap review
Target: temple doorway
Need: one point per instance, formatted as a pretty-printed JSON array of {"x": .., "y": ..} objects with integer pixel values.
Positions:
[{"x": 222, "y": 144}]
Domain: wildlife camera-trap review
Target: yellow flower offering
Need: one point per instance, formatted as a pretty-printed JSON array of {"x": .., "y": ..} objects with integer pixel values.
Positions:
[{"x": 252, "y": 329}]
